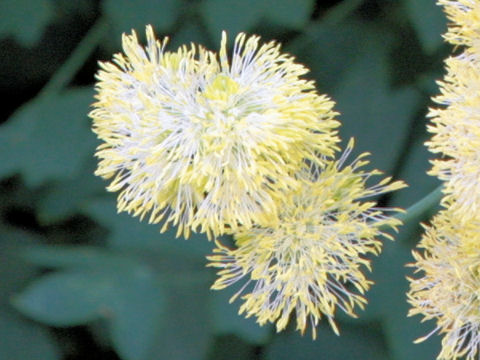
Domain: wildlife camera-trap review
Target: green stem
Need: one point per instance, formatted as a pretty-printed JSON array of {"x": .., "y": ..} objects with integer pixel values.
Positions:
[
  {"x": 422, "y": 206},
  {"x": 341, "y": 11},
  {"x": 69, "y": 68}
]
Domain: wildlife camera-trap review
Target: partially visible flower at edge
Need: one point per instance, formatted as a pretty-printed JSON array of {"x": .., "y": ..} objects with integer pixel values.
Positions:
[
  {"x": 312, "y": 262},
  {"x": 456, "y": 125},
  {"x": 464, "y": 17},
  {"x": 204, "y": 141},
  {"x": 456, "y": 135},
  {"x": 449, "y": 288}
]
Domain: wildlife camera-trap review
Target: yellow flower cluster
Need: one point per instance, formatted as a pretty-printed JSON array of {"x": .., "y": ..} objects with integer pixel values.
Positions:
[
  {"x": 449, "y": 289},
  {"x": 456, "y": 126},
  {"x": 312, "y": 262},
  {"x": 241, "y": 144},
  {"x": 205, "y": 141}
]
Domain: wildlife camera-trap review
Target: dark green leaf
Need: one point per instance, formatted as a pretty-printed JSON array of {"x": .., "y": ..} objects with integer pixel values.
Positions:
[
  {"x": 289, "y": 13},
  {"x": 429, "y": 22},
  {"x": 25, "y": 19},
  {"x": 190, "y": 31},
  {"x": 186, "y": 329},
  {"x": 67, "y": 298},
  {"x": 389, "y": 273},
  {"x": 401, "y": 331},
  {"x": 126, "y": 15},
  {"x": 63, "y": 199},
  {"x": 390, "y": 269},
  {"x": 231, "y": 347},
  {"x": 129, "y": 296},
  {"x": 355, "y": 342},
  {"x": 138, "y": 314},
  {"x": 228, "y": 321},
  {"x": 129, "y": 232},
  {"x": 15, "y": 272},
  {"x": 68, "y": 256},
  {"x": 49, "y": 138},
  {"x": 350, "y": 63},
  {"x": 241, "y": 16},
  {"x": 98, "y": 284},
  {"x": 231, "y": 15},
  {"x": 414, "y": 173},
  {"x": 376, "y": 116},
  {"x": 329, "y": 51},
  {"x": 20, "y": 339}
]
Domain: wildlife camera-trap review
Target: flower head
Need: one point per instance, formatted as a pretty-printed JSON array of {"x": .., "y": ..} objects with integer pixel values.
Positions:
[
  {"x": 456, "y": 135},
  {"x": 456, "y": 125},
  {"x": 464, "y": 16},
  {"x": 449, "y": 288},
  {"x": 312, "y": 262},
  {"x": 202, "y": 140}
]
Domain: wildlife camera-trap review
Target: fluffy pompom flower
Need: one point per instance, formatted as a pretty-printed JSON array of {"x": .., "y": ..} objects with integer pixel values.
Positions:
[
  {"x": 204, "y": 141},
  {"x": 456, "y": 126},
  {"x": 448, "y": 290},
  {"x": 456, "y": 135},
  {"x": 464, "y": 17},
  {"x": 311, "y": 263}
]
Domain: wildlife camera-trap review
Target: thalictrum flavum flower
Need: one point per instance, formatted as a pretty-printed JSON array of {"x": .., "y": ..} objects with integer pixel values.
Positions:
[
  {"x": 448, "y": 290},
  {"x": 456, "y": 125},
  {"x": 312, "y": 262},
  {"x": 207, "y": 141},
  {"x": 449, "y": 286}
]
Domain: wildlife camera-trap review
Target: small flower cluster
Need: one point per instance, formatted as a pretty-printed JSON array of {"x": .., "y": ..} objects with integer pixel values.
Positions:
[
  {"x": 449, "y": 289},
  {"x": 311, "y": 262},
  {"x": 456, "y": 126},
  {"x": 205, "y": 141},
  {"x": 243, "y": 145}
]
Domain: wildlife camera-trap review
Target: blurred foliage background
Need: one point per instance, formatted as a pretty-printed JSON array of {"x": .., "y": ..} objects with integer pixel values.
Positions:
[{"x": 78, "y": 281}]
